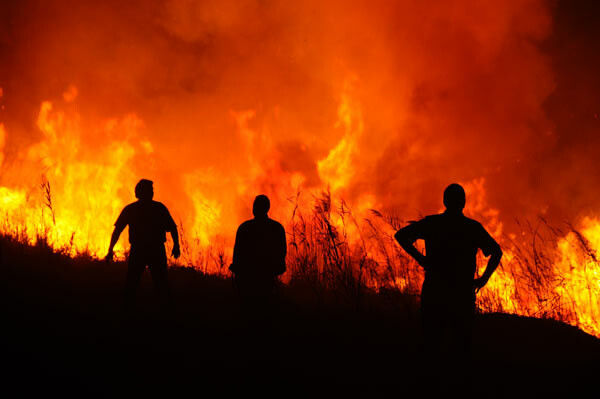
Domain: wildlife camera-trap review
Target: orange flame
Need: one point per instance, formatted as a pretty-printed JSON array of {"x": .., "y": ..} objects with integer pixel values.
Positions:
[{"x": 378, "y": 105}]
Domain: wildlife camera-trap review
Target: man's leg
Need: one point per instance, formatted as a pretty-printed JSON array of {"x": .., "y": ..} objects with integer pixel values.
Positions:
[
  {"x": 432, "y": 325},
  {"x": 461, "y": 332},
  {"x": 433, "y": 319},
  {"x": 158, "y": 270},
  {"x": 264, "y": 301},
  {"x": 463, "y": 329},
  {"x": 255, "y": 300},
  {"x": 135, "y": 269}
]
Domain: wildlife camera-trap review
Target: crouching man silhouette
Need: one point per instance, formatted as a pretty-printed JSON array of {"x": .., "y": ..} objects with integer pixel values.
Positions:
[
  {"x": 148, "y": 223},
  {"x": 258, "y": 258}
]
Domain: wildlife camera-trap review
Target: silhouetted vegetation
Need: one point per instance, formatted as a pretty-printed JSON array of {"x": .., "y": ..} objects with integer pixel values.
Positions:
[{"x": 331, "y": 336}]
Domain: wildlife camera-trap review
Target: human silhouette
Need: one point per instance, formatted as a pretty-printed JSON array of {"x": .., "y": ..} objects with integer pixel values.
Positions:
[
  {"x": 448, "y": 293},
  {"x": 148, "y": 223},
  {"x": 258, "y": 258}
]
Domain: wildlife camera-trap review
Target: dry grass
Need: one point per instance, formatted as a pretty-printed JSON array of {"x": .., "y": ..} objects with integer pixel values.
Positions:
[{"x": 339, "y": 258}]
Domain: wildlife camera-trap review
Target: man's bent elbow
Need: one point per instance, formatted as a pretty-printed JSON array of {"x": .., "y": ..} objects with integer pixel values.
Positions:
[
  {"x": 114, "y": 237},
  {"x": 497, "y": 253},
  {"x": 403, "y": 239},
  {"x": 400, "y": 237}
]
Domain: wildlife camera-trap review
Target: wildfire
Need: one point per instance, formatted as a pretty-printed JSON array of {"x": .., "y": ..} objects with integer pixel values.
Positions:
[
  {"x": 351, "y": 117},
  {"x": 578, "y": 264}
]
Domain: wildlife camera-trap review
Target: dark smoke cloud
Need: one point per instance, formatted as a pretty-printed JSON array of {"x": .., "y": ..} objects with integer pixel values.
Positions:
[{"x": 448, "y": 91}]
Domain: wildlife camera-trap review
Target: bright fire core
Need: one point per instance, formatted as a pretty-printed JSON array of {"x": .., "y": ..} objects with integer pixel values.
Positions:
[{"x": 370, "y": 108}]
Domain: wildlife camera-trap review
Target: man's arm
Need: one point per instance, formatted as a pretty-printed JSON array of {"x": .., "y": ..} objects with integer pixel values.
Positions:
[
  {"x": 237, "y": 252},
  {"x": 113, "y": 241},
  {"x": 120, "y": 224},
  {"x": 490, "y": 248},
  {"x": 175, "y": 236},
  {"x": 282, "y": 251},
  {"x": 407, "y": 236},
  {"x": 171, "y": 227},
  {"x": 493, "y": 263}
]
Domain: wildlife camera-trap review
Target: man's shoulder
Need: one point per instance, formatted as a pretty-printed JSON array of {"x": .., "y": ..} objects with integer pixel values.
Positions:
[
  {"x": 477, "y": 229},
  {"x": 131, "y": 206},
  {"x": 158, "y": 204},
  {"x": 420, "y": 223},
  {"x": 473, "y": 223},
  {"x": 158, "y": 208},
  {"x": 433, "y": 219},
  {"x": 275, "y": 224},
  {"x": 145, "y": 207},
  {"x": 246, "y": 225},
  {"x": 252, "y": 224},
  {"x": 443, "y": 219},
  {"x": 127, "y": 214}
]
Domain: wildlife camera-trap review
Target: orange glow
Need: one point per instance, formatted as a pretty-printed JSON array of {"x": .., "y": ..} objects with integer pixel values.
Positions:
[
  {"x": 578, "y": 265},
  {"x": 363, "y": 111}
]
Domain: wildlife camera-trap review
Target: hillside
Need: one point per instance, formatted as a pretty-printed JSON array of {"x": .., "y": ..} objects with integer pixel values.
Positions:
[{"x": 63, "y": 334}]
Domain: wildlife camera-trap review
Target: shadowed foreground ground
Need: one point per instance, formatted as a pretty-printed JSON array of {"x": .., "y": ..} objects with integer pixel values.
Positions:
[{"x": 63, "y": 336}]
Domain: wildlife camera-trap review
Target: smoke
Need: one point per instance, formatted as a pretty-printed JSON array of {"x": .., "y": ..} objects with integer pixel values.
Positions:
[{"x": 233, "y": 98}]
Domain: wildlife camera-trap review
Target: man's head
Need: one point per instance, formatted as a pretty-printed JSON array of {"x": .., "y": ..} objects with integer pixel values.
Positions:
[
  {"x": 144, "y": 190},
  {"x": 261, "y": 206},
  {"x": 454, "y": 198}
]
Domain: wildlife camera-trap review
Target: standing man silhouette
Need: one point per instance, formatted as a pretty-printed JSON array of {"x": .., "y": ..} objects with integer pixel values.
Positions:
[
  {"x": 258, "y": 258},
  {"x": 448, "y": 293},
  {"x": 148, "y": 223}
]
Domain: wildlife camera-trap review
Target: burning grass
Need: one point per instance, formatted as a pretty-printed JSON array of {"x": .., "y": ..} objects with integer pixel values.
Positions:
[
  {"x": 547, "y": 272},
  {"x": 334, "y": 334}
]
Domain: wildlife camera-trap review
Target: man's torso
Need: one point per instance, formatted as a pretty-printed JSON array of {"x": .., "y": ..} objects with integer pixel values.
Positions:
[
  {"x": 451, "y": 245},
  {"x": 148, "y": 223},
  {"x": 260, "y": 246}
]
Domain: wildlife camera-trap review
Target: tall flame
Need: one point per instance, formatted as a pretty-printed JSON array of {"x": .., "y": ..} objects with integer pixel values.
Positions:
[{"x": 363, "y": 111}]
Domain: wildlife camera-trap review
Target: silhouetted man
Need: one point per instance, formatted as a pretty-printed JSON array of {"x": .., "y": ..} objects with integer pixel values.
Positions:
[
  {"x": 148, "y": 222},
  {"x": 448, "y": 293},
  {"x": 258, "y": 258}
]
